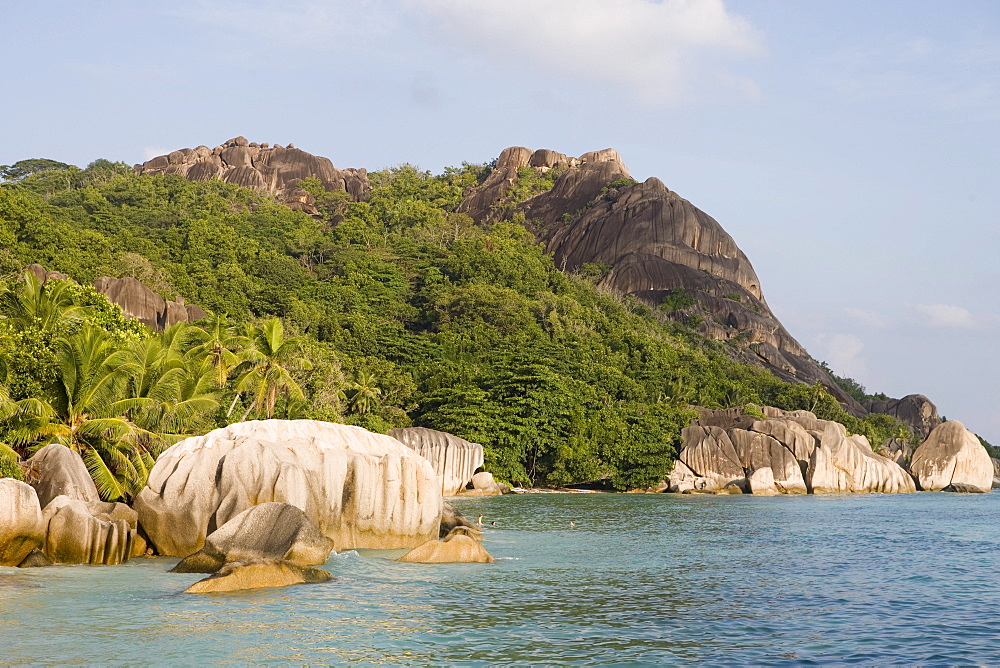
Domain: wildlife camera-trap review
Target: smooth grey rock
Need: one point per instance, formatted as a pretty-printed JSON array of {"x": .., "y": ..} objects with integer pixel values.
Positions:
[
  {"x": 268, "y": 531},
  {"x": 56, "y": 470}
]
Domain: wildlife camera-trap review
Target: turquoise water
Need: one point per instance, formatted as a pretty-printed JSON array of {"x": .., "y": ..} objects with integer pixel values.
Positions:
[{"x": 641, "y": 579}]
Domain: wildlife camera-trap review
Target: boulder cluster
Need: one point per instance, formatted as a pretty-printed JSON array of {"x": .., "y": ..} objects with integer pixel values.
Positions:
[
  {"x": 781, "y": 452},
  {"x": 136, "y": 300},
  {"x": 255, "y": 504},
  {"x": 274, "y": 169}
]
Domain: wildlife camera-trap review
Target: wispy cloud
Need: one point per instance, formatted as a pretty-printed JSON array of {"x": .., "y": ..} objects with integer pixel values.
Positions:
[
  {"x": 946, "y": 315},
  {"x": 657, "y": 51},
  {"x": 869, "y": 319},
  {"x": 843, "y": 353}
]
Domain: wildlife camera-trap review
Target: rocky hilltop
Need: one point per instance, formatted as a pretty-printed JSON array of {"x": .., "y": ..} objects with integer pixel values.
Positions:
[
  {"x": 654, "y": 245},
  {"x": 276, "y": 170},
  {"x": 648, "y": 242}
]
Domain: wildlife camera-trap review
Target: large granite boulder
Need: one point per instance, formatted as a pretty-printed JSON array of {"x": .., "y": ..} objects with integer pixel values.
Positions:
[
  {"x": 914, "y": 410},
  {"x": 363, "y": 490},
  {"x": 98, "y": 533},
  {"x": 454, "y": 459},
  {"x": 759, "y": 452},
  {"x": 952, "y": 455},
  {"x": 456, "y": 548},
  {"x": 258, "y": 575},
  {"x": 22, "y": 527},
  {"x": 55, "y": 470},
  {"x": 275, "y": 170},
  {"x": 847, "y": 464},
  {"x": 656, "y": 244},
  {"x": 146, "y": 306},
  {"x": 269, "y": 531},
  {"x": 710, "y": 454},
  {"x": 996, "y": 472}
]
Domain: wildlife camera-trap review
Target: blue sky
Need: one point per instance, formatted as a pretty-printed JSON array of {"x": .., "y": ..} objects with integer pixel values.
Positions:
[{"x": 850, "y": 148}]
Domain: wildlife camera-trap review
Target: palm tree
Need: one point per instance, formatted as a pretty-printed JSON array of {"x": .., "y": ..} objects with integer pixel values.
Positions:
[
  {"x": 362, "y": 397},
  {"x": 265, "y": 371},
  {"x": 219, "y": 343},
  {"x": 37, "y": 305}
]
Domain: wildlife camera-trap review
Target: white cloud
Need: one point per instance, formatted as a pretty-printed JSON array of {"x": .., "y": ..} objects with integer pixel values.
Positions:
[
  {"x": 869, "y": 319},
  {"x": 659, "y": 52},
  {"x": 843, "y": 353},
  {"x": 946, "y": 315}
]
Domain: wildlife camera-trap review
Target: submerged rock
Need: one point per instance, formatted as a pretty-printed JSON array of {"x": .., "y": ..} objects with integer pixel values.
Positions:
[
  {"x": 454, "y": 459},
  {"x": 258, "y": 575},
  {"x": 456, "y": 548},
  {"x": 267, "y": 532},
  {"x": 952, "y": 455},
  {"x": 363, "y": 490},
  {"x": 22, "y": 527}
]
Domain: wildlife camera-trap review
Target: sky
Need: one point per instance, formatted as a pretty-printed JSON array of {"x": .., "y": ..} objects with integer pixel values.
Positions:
[{"x": 850, "y": 148}]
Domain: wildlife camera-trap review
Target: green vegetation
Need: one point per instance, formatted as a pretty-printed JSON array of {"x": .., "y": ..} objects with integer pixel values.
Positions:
[{"x": 391, "y": 312}]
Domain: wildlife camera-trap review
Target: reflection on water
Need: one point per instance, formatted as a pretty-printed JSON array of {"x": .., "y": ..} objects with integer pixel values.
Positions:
[{"x": 638, "y": 579}]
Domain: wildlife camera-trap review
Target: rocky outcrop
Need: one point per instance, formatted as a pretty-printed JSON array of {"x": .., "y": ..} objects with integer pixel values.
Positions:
[
  {"x": 22, "y": 528},
  {"x": 454, "y": 459},
  {"x": 275, "y": 170},
  {"x": 146, "y": 306},
  {"x": 914, "y": 410},
  {"x": 363, "y": 490},
  {"x": 266, "y": 532},
  {"x": 656, "y": 245},
  {"x": 135, "y": 299},
  {"x": 790, "y": 452},
  {"x": 258, "y": 575},
  {"x": 847, "y": 464},
  {"x": 98, "y": 533},
  {"x": 996, "y": 472},
  {"x": 55, "y": 470},
  {"x": 483, "y": 484},
  {"x": 451, "y": 519},
  {"x": 952, "y": 455},
  {"x": 455, "y": 548}
]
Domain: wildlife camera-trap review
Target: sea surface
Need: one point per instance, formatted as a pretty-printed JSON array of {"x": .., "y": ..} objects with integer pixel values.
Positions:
[{"x": 639, "y": 579}]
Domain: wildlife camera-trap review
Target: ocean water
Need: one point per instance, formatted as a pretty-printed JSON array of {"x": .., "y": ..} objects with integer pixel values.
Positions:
[{"x": 640, "y": 579}]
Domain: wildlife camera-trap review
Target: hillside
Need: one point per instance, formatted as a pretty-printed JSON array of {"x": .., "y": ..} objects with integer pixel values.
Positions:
[{"x": 400, "y": 308}]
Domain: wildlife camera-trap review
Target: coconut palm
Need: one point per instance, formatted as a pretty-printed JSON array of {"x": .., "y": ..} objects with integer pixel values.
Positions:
[
  {"x": 362, "y": 397},
  {"x": 220, "y": 344},
  {"x": 265, "y": 372},
  {"x": 34, "y": 304}
]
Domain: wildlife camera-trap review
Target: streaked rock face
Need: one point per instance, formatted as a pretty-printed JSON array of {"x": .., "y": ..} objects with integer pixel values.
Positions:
[
  {"x": 791, "y": 452},
  {"x": 914, "y": 410},
  {"x": 276, "y": 170},
  {"x": 847, "y": 464},
  {"x": 146, "y": 306},
  {"x": 95, "y": 533},
  {"x": 363, "y": 490},
  {"x": 655, "y": 244},
  {"x": 454, "y": 459},
  {"x": 22, "y": 528},
  {"x": 952, "y": 456}
]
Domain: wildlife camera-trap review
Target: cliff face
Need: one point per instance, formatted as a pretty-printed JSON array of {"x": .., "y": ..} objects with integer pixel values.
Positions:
[
  {"x": 276, "y": 170},
  {"x": 654, "y": 245}
]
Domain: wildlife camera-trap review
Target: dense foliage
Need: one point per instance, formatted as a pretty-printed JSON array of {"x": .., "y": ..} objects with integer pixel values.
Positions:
[{"x": 388, "y": 312}]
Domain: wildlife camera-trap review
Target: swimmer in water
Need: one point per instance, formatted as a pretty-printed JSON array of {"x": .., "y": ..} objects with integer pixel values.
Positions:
[
  {"x": 493, "y": 523},
  {"x": 572, "y": 524},
  {"x": 480, "y": 520}
]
